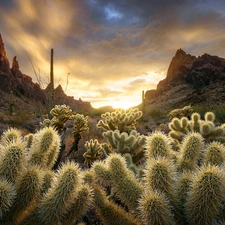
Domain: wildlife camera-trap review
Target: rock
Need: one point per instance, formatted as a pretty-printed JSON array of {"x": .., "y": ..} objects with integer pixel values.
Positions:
[
  {"x": 61, "y": 98},
  {"x": 29, "y": 96},
  {"x": 4, "y": 63},
  {"x": 190, "y": 80}
]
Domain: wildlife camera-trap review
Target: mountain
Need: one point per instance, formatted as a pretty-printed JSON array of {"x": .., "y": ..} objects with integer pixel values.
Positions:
[
  {"x": 27, "y": 95},
  {"x": 190, "y": 80}
]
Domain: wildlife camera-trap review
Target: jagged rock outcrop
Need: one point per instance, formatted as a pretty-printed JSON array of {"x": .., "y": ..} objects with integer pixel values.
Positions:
[
  {"x": 190, "y": 80},
  {"x": 4, "y": 68},
  {"x": 28, "y": 95},
  {"x": 22, "y": 85},
  {"x": 61, "y": 98},
  {"x": 4, "y": 63}
]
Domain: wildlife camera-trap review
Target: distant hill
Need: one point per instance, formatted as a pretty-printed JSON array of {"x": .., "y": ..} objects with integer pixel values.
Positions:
[
  {"x": 27, "y": 95},
  {"x": 190, "y": 80}
]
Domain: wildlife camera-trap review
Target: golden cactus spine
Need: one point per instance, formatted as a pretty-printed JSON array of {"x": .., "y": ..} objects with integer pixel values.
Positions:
[
  {"x": 206, "y": 198},
  {"x": 155, "y": 209},
  {"x": 109, "y": 212},
  {"x": 45, "y": 148}
]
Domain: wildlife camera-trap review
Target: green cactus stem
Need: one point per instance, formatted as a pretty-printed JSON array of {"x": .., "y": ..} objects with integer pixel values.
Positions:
[
  {"x": 80, "y": 205},
  {"x": 214, "y": 154},
  {"x": 11, "y": 135},
  {"x": 126, "y": 186},
  {"x": 101, "y": 172},
  {"x": 80, "y": 124},
  {"x": 94, "y": 151},
  {"x": 206, "y": 196},
  {"x": 28, "y": 140},
  {"x": 45, "y": 148},
  {"x": 109, "y": 212},
  {"x": 28, "y": 194},
  {"x": 191, "y": 150},
  {"x": 48, "y": 177},
  {"x": 7, "y": 196},
  {"x": 13, "y": 161},
  {"x": 155, "y": 209},
  {"x": 11, "y": 103},
  {"x": 182, "y": 188},
  {"x": 159, "y": 175},
  {"x": 58, "y": 199},
  {"x": 132, "y": 143},
  {"x": 121, "y": 120},
  {"x": 179, "y": 113},
  {"x": 158, "y": 145}
]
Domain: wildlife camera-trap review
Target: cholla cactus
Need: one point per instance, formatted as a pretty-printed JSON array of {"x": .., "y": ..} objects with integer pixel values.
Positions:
[
  {"x": 31, "y": 193},
  {"x": 179, "y": 113},
  {"x": 45, "y": 148},
  {"x": 206, "y": 197},
  {"x": 169, "y": 191},
  {"x": 60, "y": 113},
  {"x": 191, "y": 151},
  {"x": 11, "y": 135},
  {"x": 158, "y": 145},
  {"x": 215, "y": 154},
  {"x": 28, "y": 190},
  {"x": 94, "y": 151},
  {"x": 207, "y": 128},
  {"x": 80, "y": 123},
  {"x": 109, "y": 212},
  {"x": 59, "y": 197},
  {"x": 159, "y": 176},
  {"x": 28, "y": 140},
  {"x": 123, "y": 143},
  {"x": 121, "y": 120},
  {"x": 7, "y": 194},
  {"x": 155, "y": 209},
  {"x": 124, "y": 182},
  {"x": 182, "y": 188},
  {"x": 12, "y": 161}
]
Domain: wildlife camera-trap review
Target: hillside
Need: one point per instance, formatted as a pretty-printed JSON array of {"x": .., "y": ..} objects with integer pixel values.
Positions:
[
  {"x": 190, "y": 80},
  {"x": 27, "y": 96}
]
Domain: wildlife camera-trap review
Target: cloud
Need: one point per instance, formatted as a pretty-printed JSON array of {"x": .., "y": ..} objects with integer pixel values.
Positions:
[{"x": 111, "y": 49}]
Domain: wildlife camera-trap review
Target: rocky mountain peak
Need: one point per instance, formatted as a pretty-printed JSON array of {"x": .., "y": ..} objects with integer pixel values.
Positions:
[
  {"x": 178, "y": 62},
  {"x": 4, "y": 63},
  {"x": 191, "y": 80},
  {"x": 15, "y": 64},
  {"x": 28, "y": 94},
  {"x": 2, "y": 48}
]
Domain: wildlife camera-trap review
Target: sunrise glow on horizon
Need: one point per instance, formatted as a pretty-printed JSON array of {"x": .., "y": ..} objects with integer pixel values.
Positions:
[{"x": 111, "y": 50}]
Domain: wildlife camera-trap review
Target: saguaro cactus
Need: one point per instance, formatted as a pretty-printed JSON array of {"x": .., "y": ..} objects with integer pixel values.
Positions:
[
  {"x": 143, "y": 102},
  {"x": 11, "y": 103}
]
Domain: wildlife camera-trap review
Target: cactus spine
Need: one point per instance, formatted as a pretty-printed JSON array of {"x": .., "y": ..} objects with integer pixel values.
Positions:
[
  {"x": 13, "y": 161},
  {"x": 7, "y": 195},
  {"x": 214, "y": 154},
  {"x": 59, "y": 197},
  {"x": 155, "y": 209},
  {"x": 206, "y": 196},
  {"x": 110, "y": 213},
  {"x": 30, "y": 192}
]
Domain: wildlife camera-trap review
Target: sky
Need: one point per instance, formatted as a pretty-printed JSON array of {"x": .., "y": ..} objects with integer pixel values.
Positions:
[{"x": 108, "y": 51}]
